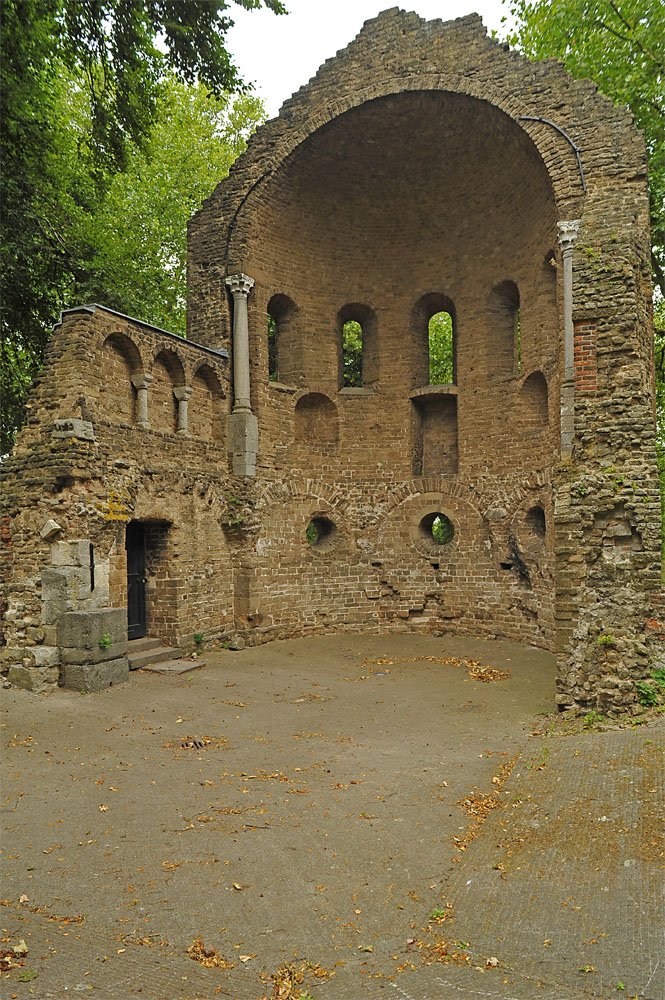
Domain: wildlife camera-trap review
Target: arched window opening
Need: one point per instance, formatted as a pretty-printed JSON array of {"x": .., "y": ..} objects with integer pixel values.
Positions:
[
  {"x": 434, "y": 329},
  {"x": 357, "y": 346},
  {"x": 272, "y": 348},
  {"x": 440, "y": 347},
  {"x": 505, "y": 349},
  {"x": 284, "y": 364},
  {"x": 352, "y": 351}
]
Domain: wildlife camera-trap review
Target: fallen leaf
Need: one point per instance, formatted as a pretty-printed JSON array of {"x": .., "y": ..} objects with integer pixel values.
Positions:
[
  {"x": 237, "y": 887},
  {"x": 103, "y": 809}
]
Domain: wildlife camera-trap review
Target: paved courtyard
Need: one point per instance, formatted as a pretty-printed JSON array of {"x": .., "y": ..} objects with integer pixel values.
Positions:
[{"x": 384, "y": 808}]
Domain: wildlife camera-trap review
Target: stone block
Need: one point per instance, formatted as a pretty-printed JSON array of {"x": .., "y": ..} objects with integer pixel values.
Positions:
[
  {"x": 50, "y": 529},
  {"x": 11, "y": 654},
  {"x": 84, "y": 629},
  {"x": 65, "y": 585},
  {"x": 95, "y": 676},
  {"x": 243, "y": 442},
  {"x": 35, "y": 679},
  {"x": 72, "y": 427},
  {"x": 72, "y": 553},
  {"x": 44, "y": 656},
  {"x": 83, "y": 654}
]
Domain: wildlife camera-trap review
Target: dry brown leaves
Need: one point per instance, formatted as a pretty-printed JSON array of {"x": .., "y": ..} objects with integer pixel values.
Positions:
[
  {"x": 291, "y": 980},
  {"x": 11, "y": 958},
  {"x": 76, "y": 918},
  {"x": 16, "y": 742},
  {"x": 476, "y": 670},
  {"x": 209, "y": 958},
  {"x": 479, "y": 806},
  {"x": 434, "y": 948},
  {"x": 196, "y": 743},
  {"x": 150, "y": 940}
]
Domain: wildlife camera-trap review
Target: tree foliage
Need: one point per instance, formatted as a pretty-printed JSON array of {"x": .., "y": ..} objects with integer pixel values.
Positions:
[
  {"x": 440, "y": 336},
  {"x": 620, "y": 45},
  {"x": 352, "y": 353},
  {"x": 92, "y": 173}
]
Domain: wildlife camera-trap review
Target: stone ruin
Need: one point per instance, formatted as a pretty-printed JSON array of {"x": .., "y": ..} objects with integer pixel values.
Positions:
[{"x": 235, "y": 485}]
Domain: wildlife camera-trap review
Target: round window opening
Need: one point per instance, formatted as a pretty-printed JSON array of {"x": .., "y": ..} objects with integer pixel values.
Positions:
[
  {"x": 535, "y": 520},
  {"x": 319, "y": 530},
  {"x": 437, "y": 528}
]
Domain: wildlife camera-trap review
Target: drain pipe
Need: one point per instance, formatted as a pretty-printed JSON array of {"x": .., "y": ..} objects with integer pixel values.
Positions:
[{"x": 567, "y": 236}]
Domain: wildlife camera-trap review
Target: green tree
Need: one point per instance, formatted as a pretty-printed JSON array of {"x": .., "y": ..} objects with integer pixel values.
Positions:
[
  {"x": 620, "y": 44},
  {"x": 133, "y": 246},
  {"x": 440, "y": 336},
  {"x": 81, "y": 82},
  {"x": 352, "y": 353}
]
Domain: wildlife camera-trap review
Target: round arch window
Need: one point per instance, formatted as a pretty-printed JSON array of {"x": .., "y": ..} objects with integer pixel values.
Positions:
[
  {"x": 319, "y": 532},
  {"x": 437, "y": 528}
]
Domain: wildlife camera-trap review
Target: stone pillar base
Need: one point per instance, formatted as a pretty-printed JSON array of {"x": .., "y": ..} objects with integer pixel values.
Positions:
[{"x": 243, "y": 442}]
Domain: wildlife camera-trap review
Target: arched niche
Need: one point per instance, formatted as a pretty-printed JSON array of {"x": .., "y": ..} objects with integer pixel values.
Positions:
[
  {"x": 316, "y": 419},
  {"x": 205, "y": 410},
  {"x": 167, "y": 373},
  {"x": 121, "y": 361},
  {"x": 504, "y": 353},
  {"x": 284, "y": 348},
  {"x": 533, "y": 402}
]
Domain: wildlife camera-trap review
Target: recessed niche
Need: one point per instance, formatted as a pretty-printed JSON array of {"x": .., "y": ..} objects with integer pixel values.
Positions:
[
  {"x": 435, "y": 434},
  {"x": 535, "y": 520},
  {"x": 316, "y": 419},
  {"x": 533, "y": 402}
]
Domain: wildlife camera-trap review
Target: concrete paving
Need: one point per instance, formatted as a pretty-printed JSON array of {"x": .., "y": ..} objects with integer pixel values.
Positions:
[{"x": 369, "y": 806}]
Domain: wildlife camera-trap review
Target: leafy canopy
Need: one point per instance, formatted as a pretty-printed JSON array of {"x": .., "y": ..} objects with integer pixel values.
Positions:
[
  {"x": 91, "y": 170},
  {"x": 620, "y": 45}
]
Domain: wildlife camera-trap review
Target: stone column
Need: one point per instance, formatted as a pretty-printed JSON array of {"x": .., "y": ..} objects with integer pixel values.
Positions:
[
  {"x": 243, "y": 428},
  {"x": 182, "y": 394},
  {"x": 567, "y": 236},
  {"x": 142, "y": 383}
]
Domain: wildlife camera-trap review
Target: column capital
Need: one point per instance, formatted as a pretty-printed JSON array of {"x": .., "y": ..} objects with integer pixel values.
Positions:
[
  {"x": 182, "y": 392},
  {"x": 240, "y": 284},
  {"x": 141, "y": 381},
  {"x": 568, "y": 231}
]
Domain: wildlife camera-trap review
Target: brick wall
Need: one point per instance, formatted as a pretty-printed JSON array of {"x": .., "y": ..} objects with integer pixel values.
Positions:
[{"x": 408, "y": 176}]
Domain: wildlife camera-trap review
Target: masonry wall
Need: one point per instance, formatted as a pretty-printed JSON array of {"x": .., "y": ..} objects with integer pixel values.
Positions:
[
  {"x": 419, "y": 171},
  {"x": 426, "y": 161},
  {"x": 83, "y": 468}
]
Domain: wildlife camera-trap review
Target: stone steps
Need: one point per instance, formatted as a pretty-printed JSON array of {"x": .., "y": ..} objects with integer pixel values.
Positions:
[
  {"x": 141, "y": 645},
  {"x": 149, "y": 654},
  {"x": 144, "y": 658}
]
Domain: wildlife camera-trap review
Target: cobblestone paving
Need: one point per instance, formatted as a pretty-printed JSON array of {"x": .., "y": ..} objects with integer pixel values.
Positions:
[{"x": 316, "y": 823}]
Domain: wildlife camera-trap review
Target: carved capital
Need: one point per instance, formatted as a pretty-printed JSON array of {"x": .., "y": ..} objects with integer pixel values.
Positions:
[
  {"x": 182, "y": 392},
  {"x": 141, "y": 381},
  {"x": 568, "y": 234},
  {"x": 240, "y": 284}
]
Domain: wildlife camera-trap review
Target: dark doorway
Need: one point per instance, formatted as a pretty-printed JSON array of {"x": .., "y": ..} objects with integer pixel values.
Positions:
[{"x": 136, "y": 581}]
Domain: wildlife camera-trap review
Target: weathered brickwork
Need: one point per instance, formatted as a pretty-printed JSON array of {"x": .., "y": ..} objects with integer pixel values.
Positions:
[{"x": 417, "y": 172}]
